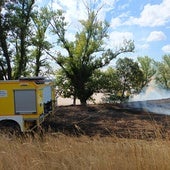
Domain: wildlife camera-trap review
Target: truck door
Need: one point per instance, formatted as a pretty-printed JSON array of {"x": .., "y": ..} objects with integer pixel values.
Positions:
[{"x": 25, "y": 101}]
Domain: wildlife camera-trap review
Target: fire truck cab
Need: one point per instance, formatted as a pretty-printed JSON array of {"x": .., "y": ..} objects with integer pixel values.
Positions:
[{"x": 24, "y": 103}]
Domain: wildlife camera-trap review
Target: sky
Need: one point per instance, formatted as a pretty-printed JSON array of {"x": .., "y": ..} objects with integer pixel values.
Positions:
[{"x": 147, "y": 22}]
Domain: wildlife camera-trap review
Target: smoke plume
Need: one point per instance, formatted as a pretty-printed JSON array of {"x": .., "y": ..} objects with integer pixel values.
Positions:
[{"x": 152, "y": 99}]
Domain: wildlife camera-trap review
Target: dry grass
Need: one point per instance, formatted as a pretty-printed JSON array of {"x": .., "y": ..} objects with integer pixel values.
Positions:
[
  {"x": 131, "y": 140},
  {"x": 81, "y": 153}
]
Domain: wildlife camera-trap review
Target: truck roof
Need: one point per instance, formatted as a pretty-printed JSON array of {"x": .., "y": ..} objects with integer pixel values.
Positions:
[{"x": 37, "y": 80}]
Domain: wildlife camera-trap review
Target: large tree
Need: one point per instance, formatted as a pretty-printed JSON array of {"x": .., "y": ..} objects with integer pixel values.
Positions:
[
  {"x": 15, "y": 26},
  {"x": 86, "y": 53},
  {"x": 22, "y": 38},
  {"x": 21, "y": 13}
]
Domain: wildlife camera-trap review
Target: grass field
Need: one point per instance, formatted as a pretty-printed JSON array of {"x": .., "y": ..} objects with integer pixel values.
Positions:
[
  {"x": 61, "y": 152},
  {"x": 96, "y": 137}
]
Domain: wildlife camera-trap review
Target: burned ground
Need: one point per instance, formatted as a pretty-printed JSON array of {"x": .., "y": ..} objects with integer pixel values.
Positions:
[{"x": 107, "y": 120}]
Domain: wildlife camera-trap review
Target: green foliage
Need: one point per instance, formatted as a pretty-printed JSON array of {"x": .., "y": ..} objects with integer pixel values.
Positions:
[
  {"x": 130, "y": 75},
  {"x": 86, "y": 53},
  {"x": 41, "y": 21},
  {"x": 22, "y": 40},
  {"x": 122, "y": 81},
  {"x": 163, "y": 73},
  {"x": 147, "y": 66},
  {"x": 64, "y": 87},
  {"x": 15, "y": 24},
  {"x": 111, "y": 85},
  {"x": 20, "y": 20},
  {"x": 126, "y": 79}
]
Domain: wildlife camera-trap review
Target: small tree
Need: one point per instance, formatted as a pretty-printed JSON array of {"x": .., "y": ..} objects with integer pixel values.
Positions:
[
  {"x": 111, "y": 85},
  {"x": 130, "y": 77},
  {"x": 163, "y": 73},
  {"x": 147, "y": 66}
]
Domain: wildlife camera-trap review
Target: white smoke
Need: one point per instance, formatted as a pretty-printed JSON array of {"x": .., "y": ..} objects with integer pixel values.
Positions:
[
  {"x": 151, "y": 92},
  {"x": 152, "y": 99}
]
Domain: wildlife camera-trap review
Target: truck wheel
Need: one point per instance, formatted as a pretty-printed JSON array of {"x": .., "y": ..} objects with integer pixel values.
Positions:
[{"x": 10, "y": 127}]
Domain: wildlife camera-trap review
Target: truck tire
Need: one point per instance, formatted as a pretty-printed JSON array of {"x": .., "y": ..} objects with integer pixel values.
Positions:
[{"x": 10, "y": 127}]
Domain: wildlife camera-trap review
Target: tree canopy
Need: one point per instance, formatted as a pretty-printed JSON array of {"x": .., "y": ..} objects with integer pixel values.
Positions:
[
  {"x": 25, "y": 51},
  {"x": 163, "y": 72},
  {"x": 86, "y": 53},
  {"x": 22, "y": 38},
  {"x": 147, "y": 66}
]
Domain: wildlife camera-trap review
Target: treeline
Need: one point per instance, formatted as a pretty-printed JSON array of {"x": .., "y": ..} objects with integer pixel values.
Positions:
[
  {"x": 128, "y": 77},
  {"x": 23, "y": 40},
  {"x": 25, "y": 50}
]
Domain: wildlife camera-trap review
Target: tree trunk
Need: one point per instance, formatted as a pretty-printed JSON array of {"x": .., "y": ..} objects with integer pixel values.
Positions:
[
  {"x": 9, "y": 69},
  {"x": 23, "y": 34},
  {"x": 4, "y": 47},
  {"x": 74, "y": 100},
  {"x": 83, "y": 101},
  {"x": 1, "y": 75},
  {"x": 38, "y": 62},
  {"x": 2, "y": 72}
]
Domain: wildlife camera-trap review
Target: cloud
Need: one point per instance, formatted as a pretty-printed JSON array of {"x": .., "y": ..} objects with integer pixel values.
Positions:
[
  {"x": 116, "y": 38},
  {"x": 76, "y": 9},
  {"x": 156, "y": 36},
  {"x": 152, "y": 15},
  {"x": 143, "y": 46},
  {"x": 115, "y": 22},
  {"x": 119, "y": 20},
  {"x": 166, "y": 48}
]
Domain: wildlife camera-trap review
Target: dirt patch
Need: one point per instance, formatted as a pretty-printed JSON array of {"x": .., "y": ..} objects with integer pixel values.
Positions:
[{"x": 108, "y": 120}]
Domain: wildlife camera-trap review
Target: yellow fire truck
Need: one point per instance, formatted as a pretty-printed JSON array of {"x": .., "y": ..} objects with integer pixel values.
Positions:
[{"x": 24, "y": 103}]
